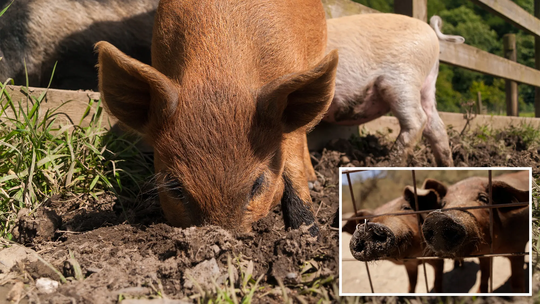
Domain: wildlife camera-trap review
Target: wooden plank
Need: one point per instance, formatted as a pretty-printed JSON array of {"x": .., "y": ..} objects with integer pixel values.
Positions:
[
  {"x": 510, "y": 53},
  {"x": 414, "y": 8},
  {"x": 479, "y": 103},
  {"x": 512, "y": 13},
  {"x": 342, "y": 8},
  {"x": 74, "y": 109},
  {"x": 471, "y": 58}
]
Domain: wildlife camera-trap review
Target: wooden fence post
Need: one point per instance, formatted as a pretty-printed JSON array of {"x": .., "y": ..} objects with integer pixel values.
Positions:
[
  {"x": 413, "y": 8},
  {"x": 509, "y": 42},
  {"x": 537, "y": 61},
  {"x": 479, "y": 104}
]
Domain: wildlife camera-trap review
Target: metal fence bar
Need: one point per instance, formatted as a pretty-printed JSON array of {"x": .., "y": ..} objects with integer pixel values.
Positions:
[
  {"x": 490, "y": 232},
  {"x": 356, "y": 212},
  {"x": 487, "y": 255},
  {"x": 442, "y": 210},
  {"x": 369, "y": 277},
  {"x": 419, "y": 221},
  {"x": 352, "y": 171},
  {"x": 352, "y": 194}
]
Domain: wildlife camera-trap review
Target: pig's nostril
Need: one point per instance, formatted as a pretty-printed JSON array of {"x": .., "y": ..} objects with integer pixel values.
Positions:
[
  {"x": 360, "y": 246},
  {"x": 454, "y": 235},
  {"x": 450, "y": 235},
  {"x": 380, "y": 236},
  {"x": 428, "y": 235}
]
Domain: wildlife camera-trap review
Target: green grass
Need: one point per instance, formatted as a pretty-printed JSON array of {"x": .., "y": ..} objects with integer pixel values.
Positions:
[
  {"x": 42, "y": 157},
  {"x": 5, "y": 9},
  {"x": 529, "y": 134},
  {"x": 526, "y": 114}
]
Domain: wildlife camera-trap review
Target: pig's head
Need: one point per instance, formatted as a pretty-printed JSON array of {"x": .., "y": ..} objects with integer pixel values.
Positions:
[
  {"x": 390, "y": 236},
  {"x": 220, "y": 145},
  {"x": 457, "y": 233}
]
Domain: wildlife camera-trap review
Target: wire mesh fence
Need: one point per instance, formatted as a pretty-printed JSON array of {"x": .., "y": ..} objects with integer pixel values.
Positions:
[{"x": 418, "y": 212}]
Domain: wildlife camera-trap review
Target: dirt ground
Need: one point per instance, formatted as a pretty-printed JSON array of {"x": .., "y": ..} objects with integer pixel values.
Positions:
[{"x": 126, "y": 250}]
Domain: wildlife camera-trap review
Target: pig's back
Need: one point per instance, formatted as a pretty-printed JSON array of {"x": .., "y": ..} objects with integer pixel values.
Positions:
[
  {"x": 378, "y": 41},
  {"x": 253, "y": 40}
]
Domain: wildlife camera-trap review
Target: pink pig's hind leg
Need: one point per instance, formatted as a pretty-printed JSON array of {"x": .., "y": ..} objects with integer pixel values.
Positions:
[
  {"x": 435, "y": 130},
  {"x": 404, "y": 103}
]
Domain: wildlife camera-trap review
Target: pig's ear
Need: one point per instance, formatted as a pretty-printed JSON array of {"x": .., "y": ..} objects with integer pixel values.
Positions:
[
  {"x": 350, "y": 226},
  {"x": 300, "y": 99},
  {"x": 503, "y": 193},
  {"x": 131, "y": 90},
  {"x": 436, "y": 186},
  {"x": 427, "y": 199}
]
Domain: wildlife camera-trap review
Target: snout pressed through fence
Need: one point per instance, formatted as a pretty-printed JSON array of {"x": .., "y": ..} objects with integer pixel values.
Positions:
[{"x": 490, "y": 206}]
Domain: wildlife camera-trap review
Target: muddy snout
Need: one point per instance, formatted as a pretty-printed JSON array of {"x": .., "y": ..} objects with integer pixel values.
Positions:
[
  {"x": 443, "y": 234},
  {"x": 372, "y": 241}
]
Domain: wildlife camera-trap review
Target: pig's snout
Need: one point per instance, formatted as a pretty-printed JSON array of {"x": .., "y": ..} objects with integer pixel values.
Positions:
[
  {"x": 443, "y": 234},
  {"x": 371, "y": 241}
]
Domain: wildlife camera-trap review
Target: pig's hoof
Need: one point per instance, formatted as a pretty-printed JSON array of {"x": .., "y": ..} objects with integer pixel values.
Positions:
[{"x": 314, "y": 230}]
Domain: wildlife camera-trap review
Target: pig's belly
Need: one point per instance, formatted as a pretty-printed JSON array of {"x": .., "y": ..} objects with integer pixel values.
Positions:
[{"x": 355, "y": 113}]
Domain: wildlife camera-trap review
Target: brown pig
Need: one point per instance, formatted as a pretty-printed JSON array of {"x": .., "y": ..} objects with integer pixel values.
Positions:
[
  {"x": 233, "y": 87},
  {"x": 394, "y": 237},
  {"x": 458, "y": 233}
]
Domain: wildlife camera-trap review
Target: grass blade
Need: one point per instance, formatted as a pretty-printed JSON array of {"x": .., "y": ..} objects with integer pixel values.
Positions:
[{"x": 6, "y": 8}]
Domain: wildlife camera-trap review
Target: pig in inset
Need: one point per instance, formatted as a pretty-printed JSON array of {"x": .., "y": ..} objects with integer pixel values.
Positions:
[
  {"x": 393, "y": 237},
  {"x": 390, "y": 63},
  {"x": 232, "y": 89},
  {"x": 458, "y": 233},
  {"x": 39, "y": 33}
]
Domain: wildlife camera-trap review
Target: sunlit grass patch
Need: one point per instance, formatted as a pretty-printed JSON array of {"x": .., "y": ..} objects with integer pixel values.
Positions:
[
  {"x": 41, "y": 156},
  {"x": 241, "y": 287}
]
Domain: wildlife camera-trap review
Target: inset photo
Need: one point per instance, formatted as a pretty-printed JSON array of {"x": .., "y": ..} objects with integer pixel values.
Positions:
[{"x": 458, "y": 231}]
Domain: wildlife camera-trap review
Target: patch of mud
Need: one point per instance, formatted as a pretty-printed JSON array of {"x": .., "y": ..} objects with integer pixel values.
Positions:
[{"x": 126, "y": 250}]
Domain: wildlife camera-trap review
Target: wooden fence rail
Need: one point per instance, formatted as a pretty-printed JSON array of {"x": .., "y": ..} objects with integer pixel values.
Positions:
[{"x": 512, "y": 13}]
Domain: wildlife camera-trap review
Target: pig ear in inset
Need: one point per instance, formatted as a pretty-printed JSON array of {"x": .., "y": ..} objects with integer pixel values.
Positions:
[
  {"x": 300, "y": 99},
  {"x": 436, "y": 186},
  {"x": 427, "y": 199},
  {"x": 133, "y": 91},
  {"x": 350, "y": 226},
  {"x": 504, "y": 193}
]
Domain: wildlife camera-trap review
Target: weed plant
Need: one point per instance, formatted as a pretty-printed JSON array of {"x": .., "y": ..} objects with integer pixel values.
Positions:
[{"x": 42, "y": 155}]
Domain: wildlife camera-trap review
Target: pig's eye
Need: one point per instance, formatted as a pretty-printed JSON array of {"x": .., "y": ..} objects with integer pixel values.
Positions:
[
  {"x": 257, "y": 185},
  {"x": 483, "y": 198},
  {"x": 406, "y": 207},
  {"x": 174, "y": 186}
]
